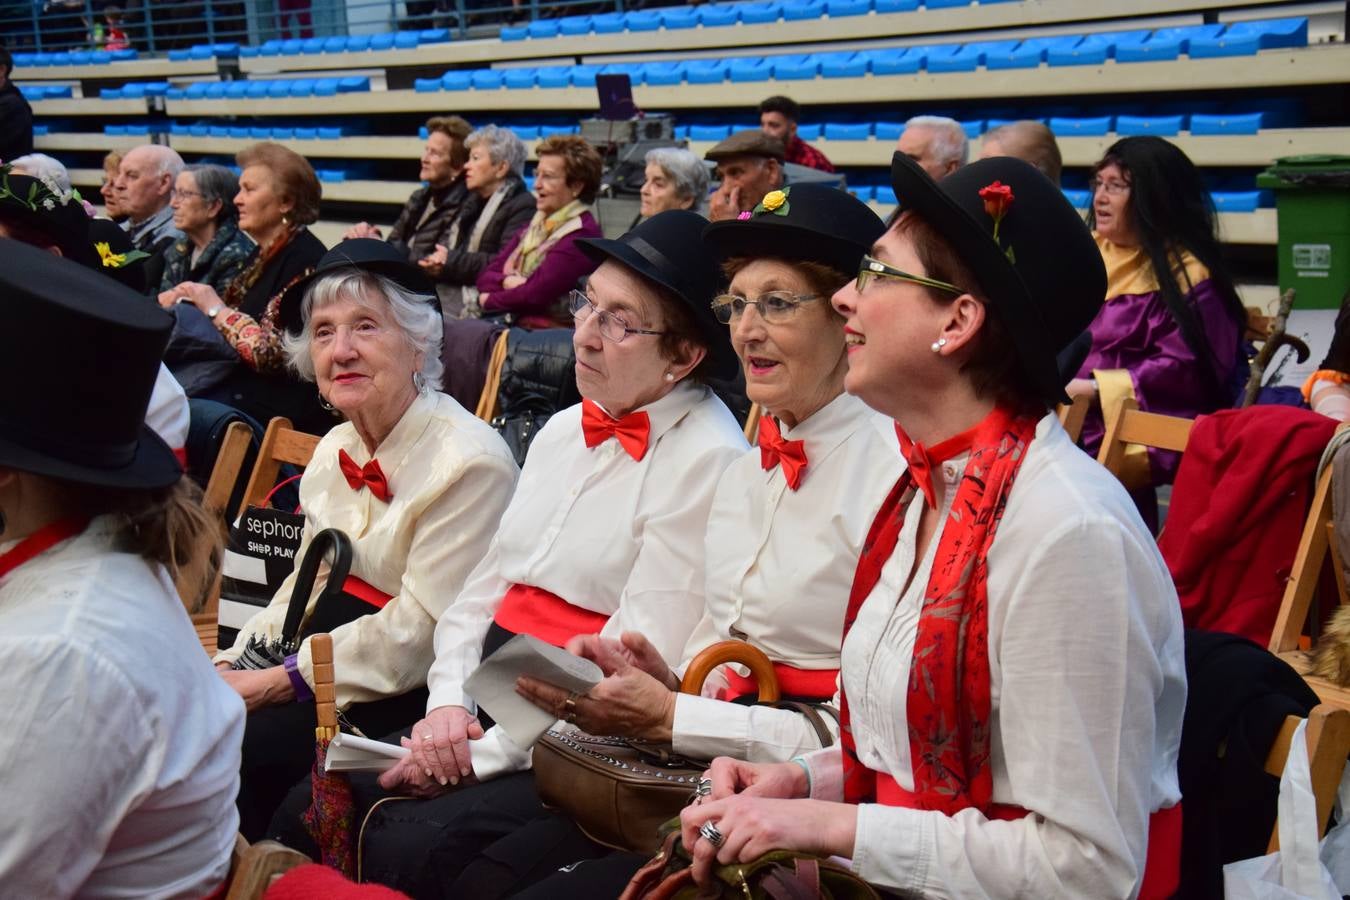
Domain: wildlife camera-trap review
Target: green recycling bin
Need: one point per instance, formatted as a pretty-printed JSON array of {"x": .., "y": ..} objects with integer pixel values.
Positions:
[{"x": 1312, "y": 202}]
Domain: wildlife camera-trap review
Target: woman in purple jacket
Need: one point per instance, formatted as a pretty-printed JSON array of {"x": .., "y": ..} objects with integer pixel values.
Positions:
[
  {"x": 1169, "y": 331},
  {"x": 533, "y": 274}
]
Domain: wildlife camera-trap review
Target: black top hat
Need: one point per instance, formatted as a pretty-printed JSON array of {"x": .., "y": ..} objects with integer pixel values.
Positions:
[
  {"x": 1034, "y": 258},
  {"x": 666, "y": 249},
  {"x": 60, "y": 217},
  {"x": 803, "y": 223},
  {"x": 367, "y": 254},
  {"x": 88, "y": 351}
]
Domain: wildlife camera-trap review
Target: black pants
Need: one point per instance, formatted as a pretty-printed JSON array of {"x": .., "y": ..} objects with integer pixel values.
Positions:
[{"x": 279, "y": 750}]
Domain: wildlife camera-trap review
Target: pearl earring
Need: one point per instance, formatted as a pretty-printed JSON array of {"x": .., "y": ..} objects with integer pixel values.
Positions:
[
  {"x": 670, "y": 376},
  {"x": 939, "y": 344}
]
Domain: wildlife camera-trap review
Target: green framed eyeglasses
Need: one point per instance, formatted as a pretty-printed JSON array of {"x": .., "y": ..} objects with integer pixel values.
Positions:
[{"x": 871, "y": 268}]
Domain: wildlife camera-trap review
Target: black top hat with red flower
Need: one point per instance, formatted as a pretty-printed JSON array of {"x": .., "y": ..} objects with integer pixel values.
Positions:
[{"x": 1033, "y": 256}]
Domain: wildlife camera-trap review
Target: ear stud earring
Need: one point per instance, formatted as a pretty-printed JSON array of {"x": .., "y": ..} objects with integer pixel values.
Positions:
[{"x": 939, "y": 344}]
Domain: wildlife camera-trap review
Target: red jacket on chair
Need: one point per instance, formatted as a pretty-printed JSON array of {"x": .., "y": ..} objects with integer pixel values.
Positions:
[{"x": 1238, "y": 507}]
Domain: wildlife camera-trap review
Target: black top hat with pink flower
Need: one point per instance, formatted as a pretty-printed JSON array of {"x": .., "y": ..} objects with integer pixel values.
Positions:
[{"x": 1033, "y": 256}]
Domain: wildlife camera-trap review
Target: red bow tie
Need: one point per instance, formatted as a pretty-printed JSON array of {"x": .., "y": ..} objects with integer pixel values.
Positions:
[
  {"x": 632, "y": 431},
  {"x": 775, "y": 451},
  {"x": 922, "y": 460},
  {"x": 370, "y": 475}
]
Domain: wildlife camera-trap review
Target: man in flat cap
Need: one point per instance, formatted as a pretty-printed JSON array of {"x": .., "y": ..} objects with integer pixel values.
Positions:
[{"x": 749, "y": 165}]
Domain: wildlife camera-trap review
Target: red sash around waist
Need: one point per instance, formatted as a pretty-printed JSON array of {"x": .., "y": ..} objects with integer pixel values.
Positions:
[
  {"x": 363, "y": 591},
  {"x": 1162, "y": 862},
  {"x": 810, "y": 684},
  {"x": 530, "y": 610}
]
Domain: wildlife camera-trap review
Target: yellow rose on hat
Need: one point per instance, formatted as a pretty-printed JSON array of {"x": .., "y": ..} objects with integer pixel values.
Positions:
[{"x": 773, "y": 199}]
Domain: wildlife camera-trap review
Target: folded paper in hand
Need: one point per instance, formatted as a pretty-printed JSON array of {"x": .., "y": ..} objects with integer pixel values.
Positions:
[
  {"x": 493, "y": 684},
  {"x": 349, "y": 753}
]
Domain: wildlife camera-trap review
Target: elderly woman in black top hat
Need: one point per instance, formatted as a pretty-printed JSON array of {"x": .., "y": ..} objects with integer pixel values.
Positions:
[
  {"x": 415, "y": 481},
  {"x": 604, "y": 534},
  {"x": 1012, "y": 679},
  {"x": 121, "y": 746}
]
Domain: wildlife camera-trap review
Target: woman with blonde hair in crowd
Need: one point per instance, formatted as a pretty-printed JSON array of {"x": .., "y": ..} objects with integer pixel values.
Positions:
[
  {"x": 111, "y": 209},
  {"x": 531, "y": 277},
  {"x": 278, "y": 197}
]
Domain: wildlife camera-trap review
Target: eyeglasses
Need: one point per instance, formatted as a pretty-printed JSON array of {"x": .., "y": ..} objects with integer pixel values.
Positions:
[
  {"x": 612, "y": 326},
  {"x": 775, "y": 306},
  {"x": 871, "y": 268},
  {"x": 1114, "y": 188},
  {"x": 176, "y": 194}
]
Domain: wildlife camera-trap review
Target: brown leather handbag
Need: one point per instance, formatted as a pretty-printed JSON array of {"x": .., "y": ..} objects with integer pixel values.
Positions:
[{"x": 619, "y": 791}]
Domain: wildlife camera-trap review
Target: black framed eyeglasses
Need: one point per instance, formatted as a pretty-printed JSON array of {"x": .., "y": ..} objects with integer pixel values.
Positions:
[
  {"x": 612, "y": 326},
  {"x": 774, "y": 306},
  {"x": 871, "y": 268}
]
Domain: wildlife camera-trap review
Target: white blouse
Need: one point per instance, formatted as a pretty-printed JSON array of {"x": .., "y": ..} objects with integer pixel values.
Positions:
[
  {"x": 451, "y": 476},
  {"x": 1088, "y": 687},
  {"x": 603, "y": 531},
  {"x": 119, "y": 743},
  {"x": 780, "y": 566}
]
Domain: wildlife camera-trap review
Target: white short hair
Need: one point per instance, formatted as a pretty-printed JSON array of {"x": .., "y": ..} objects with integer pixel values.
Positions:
[
  {"x": 686, "y": 170},
  {"x": 45, "y": 169},
  {"x": 165, "y": 160},
  {"x": 415, "y": 315},
  {"x": 949, "y": 138}
]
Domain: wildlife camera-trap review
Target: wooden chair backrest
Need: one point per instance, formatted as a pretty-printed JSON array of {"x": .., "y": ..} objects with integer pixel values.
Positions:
[
  {"x": 1328, "y": 738},
  {"x": 229, "y": 464},
  {"x": 487, "y": 401},
  {"x": 1073, "y": 415},
  {"x": 1129, "y": 425},
  {"x": 1314, "y": 547},
  {"x": 281, "y": 444},
  {"x": 752, "y": 423},
  {"x": 199, "y": 588},
  {"x": 253, "y": 867}
]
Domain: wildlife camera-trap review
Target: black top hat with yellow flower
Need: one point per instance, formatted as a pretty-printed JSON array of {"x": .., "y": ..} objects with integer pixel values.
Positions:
[
  {"x": 1033, "y": 256},
  {"x": 802, "y": 223}
]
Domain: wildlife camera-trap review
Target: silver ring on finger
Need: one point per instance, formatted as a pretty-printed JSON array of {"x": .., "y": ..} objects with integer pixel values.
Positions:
[
  {"x": 712, "y": 834},
  {"x": 704, "y": 789}
]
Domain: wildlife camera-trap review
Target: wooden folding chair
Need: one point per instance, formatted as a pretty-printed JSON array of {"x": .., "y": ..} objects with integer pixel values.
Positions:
[
  {"x": 1129, "y": 425},
  {"x": 205, "y": 610},
  {"x": 253, "y": 867},
  {"x": 1073, "y": 415},
  {"x": 752, "y": 423},
  {"x": 487, "y": 401},
  {"x": 1328, "y": 737},
  {"x": 1316, "y": 547},
  {"x": 281, "y": 444}
]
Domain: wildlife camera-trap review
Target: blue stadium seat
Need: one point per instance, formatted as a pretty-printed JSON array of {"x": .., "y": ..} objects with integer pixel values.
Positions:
[
  {"x": 137, "y": 128},
  {"x": 1095, "y": 49},
  {"x": 248, "y": 52},
  {"x": 331, "y": 175},
  {"x": 79, "y": 58},
  {"x": 863, "y": 192},
  {"x": 1238, "y": 201},
  {"x": 552, "y": 130},
  {"x": 176, "y": 93},
  {"x": 900, "y": 61},
  {"x": 114, "y": 130},
  {"x": 1031, "y": 53},
  {"x": 1093, "y": 126},
  {"x": 571, "y": 26},
  {"x": 406, "y": 40},
  {"x": 884, "y": 194},
  {"x": 514, "y": 33},
  {"x": 1226, "y": 123},
  {"x": 103, "y": 94},
  {"x": 302, "y": 87},
  {"x": 201, "y": 129},
  {"x": 219, "y": 131},
  {"x": 180, "y": 55},
  {"x": 968, "y": 57},
  {"x": 709, "y": 132},
  {"x": 201, "y": 52},
  {"x": 543, "y": 28},
  {"x": 1165, "y": 126},
  {"x": 335, "y": 45},
  {"x": 215, "y": 91},
  {"x": 306, "y": 133},
  {"x": 433, "y": 36},
  {"x": 330, "y": 132},
  {"x": 486, "y": 80},
  {"x": 681, "y": 132},
  {"x": 1166, "y": 43},
  {"x": 973, "y": 127},
  {"x": 607, "y": 23},
  {"x": 803, "y": 10},
  {"x": 553, "y": 76},
  {"x": 237, "y": 90},
  {"x": 179, "y": 128},
  {"x": 663, "y": 73},
  {"x": 256, "y": 90},
  {"x": 635, "y": 71},
  {"x": 583, "y": 75},
  {"x": 945, "y": 4},
  {"x": 796, "y": 69},
  {"x": 40, "y": 59},
  {"x": 282, "y": 133},
  {"x": 642, "y": 20},
  {"x": 312, "y": 46},
  {"x": 327, "y": 87},
  {"x": 844, "y": 64},
  {"x": 847, "y": 131},
  {"x": 1248, "y": 38},
  {"x": 239, "y": 132},
  {"x": 749, "y": 69},
  {"x": 270, "y": 48},
  {"x": 382, "y": 41},
  {"x": 888, "y": 131},
  {"x": 839, "y": 9},
  {"x": 292, "y": 47},
  {"x": 706, "y": 71},
  {"x": 809, "y": 132},
  {"x": 678, "y": 17},
  {"x": 259, "y": 132},
  {"x": 522, "y": 78},
  {"x": 760, "y": 12},
  {"x": 459, "y": 80},
  {"x": 197, "y": 90},
  {"x": 526, "y": 132},
  {"x": 426, "y": 85},
  {"x": 1080, "y": 199},
  {"x": 715, "y": 15},
  {"x": 358, "y": 43}
]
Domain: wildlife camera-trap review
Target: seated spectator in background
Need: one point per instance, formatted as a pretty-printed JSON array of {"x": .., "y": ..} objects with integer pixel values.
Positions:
[
  {"x": 778, "y": 118},
  {"x": 1029, "y": 141},
  {"x": 533, "y": 274},
  {"x": 99, "y": 651},
  {"x": 938, "y": 144},
  {"x": 16, "y": 116},
  {"x": 213, "y": 250},
  {"x": 145, "y": 180},
  {"x": 44, "y": 168},
  {"x": 749, "y": 165},
  {"x": 278, "y": 196},
  {"x": 1328, "y": 389},
  {"x": 371, "y": 339},
  {"x": 1169, "y": 331},
  {"x": 427, "y": 215},
  {"x": 111, "y": 208},
  {"x": 496, "y": 206},
  {"x": 114, "y": 35},
  {"x": 675, "y": 179}
]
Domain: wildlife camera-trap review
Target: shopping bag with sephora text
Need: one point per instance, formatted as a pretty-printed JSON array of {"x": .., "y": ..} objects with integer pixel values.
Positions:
[{"x": 259, "y": 554}]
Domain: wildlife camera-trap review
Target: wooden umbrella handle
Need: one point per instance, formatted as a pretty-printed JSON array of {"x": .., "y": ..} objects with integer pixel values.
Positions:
[
  {"x": 724, "y": 652},
  {"x": 325, "y": 697}
]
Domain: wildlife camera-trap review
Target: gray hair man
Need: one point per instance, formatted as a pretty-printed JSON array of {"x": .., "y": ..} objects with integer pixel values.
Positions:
[
  {"x": 938, "y": 144},
  {"x": 144, "y": 185}
]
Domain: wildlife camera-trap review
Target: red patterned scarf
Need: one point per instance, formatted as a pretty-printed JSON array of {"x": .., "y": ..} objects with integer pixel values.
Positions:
[{"x": 948, "y": 703}]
